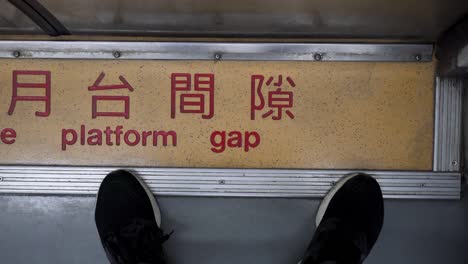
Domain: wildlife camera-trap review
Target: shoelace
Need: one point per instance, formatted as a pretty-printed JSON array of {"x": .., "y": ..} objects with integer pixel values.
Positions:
[{"x": 139, "y": 242}]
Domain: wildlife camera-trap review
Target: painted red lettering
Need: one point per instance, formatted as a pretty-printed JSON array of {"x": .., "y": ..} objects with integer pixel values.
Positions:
[
  {"x": 65, "y": 139},
  {"x": 82, "y": 135},
  {"x": 248, "y": 143},
  {"x": 96, "y": 98},
  {"x": 136, "y": 136},
  {"x": 235, "y": 139},
  {"x": 118, "y": 132},
  {"x": 218, "y": 145},
  {"x": 8, "y": 136},
  {"x": 144, "y": 137},
  {"x": 165, "y": 135},
  {"x": 107, "y": 136},
  {"x": 193, "y": 99},
  {"x": 95, "y": 137},
  {"x": 108, "y": 133},
  {"x": 44, "y": 84},
  {"x": 276, "y": 101}
]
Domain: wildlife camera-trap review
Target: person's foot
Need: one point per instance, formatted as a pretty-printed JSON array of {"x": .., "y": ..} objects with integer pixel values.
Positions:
[
  {"x": 128, "y": 220},
  {"x": 349, "y": 221}
]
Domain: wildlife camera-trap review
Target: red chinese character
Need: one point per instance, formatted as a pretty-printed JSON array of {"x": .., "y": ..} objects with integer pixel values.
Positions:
[
  {"x": 278, "y": 100},
  {"x": 98, "y": 87},
  {"x": 41, "y": 85},
  {"x": 194, "y": 102}
]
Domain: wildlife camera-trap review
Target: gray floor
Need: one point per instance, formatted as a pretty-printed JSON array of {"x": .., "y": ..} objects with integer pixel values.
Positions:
[{"x": 228, "y": 230}]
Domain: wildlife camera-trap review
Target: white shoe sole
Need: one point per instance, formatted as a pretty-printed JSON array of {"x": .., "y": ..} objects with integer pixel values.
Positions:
[
  {"x": 154, "y": 203},
  {"x": 326, "y": 201}
]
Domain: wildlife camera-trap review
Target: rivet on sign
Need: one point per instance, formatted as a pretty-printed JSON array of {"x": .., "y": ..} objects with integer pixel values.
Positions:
[
  {"x": 16, "y": 54},
  {"x": 423, "y": 185},
  {"x": 318, "y": 57},
  {"x": 222, "y": 182},
  {"x": 418, "y": 57},
  {"x": 217, "y": 56},
  {"x": 454, "y": 163},
  {"x": 332, "y": 183},
  {"x": 116, "y": 54}
]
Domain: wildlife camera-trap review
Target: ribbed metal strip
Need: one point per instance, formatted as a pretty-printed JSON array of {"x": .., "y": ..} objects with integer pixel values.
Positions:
[
  {"x": 448, "y": 118},
  {"x": 52, "y": 180}
]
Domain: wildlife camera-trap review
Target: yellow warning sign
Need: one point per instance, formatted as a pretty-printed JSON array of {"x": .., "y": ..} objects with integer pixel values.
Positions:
[{"x": 314, "y": 115}]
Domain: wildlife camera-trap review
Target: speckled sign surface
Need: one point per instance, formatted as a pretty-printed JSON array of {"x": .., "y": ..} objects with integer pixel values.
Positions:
[{"x": 314, "y": 115}]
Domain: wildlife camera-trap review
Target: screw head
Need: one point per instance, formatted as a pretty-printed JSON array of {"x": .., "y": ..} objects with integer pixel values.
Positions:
[
  {"x": 454, "y": 163},
  {"x": 217, "y": 56},
  {"x": 418, "y": 57},
  {"x": 116, "y": 54},
  {"x": 318, "y": 57},
  {"x": 16, "y": 54},
  {"x": 222, "y": 182}
]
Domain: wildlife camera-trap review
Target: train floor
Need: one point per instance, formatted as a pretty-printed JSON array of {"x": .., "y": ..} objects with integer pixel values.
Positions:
[{"x": 57, "y": 230}]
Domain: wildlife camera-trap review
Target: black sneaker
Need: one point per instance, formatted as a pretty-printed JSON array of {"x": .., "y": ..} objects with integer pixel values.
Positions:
[
  {"x": 349, "y": 221},
  {"x": 128, "y": 220}
]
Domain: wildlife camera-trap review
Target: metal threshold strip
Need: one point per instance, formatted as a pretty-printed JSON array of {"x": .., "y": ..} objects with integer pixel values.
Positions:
[
  {"x": 62, "y": 180},
  {"x": 215, "y": 51}
]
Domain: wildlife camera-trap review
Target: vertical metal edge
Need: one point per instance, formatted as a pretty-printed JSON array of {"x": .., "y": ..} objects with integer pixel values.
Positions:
[
  {"x": 447, "y": 124},
  {"x": 435, "y": 165},
  {"x": 458, "y": 128},
  {"x": 448, "y": 120},
  {"x": 456, "y": 140}
]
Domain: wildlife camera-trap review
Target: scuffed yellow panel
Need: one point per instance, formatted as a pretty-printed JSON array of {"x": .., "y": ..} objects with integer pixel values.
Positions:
[{"x": 346, "y": 115}]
